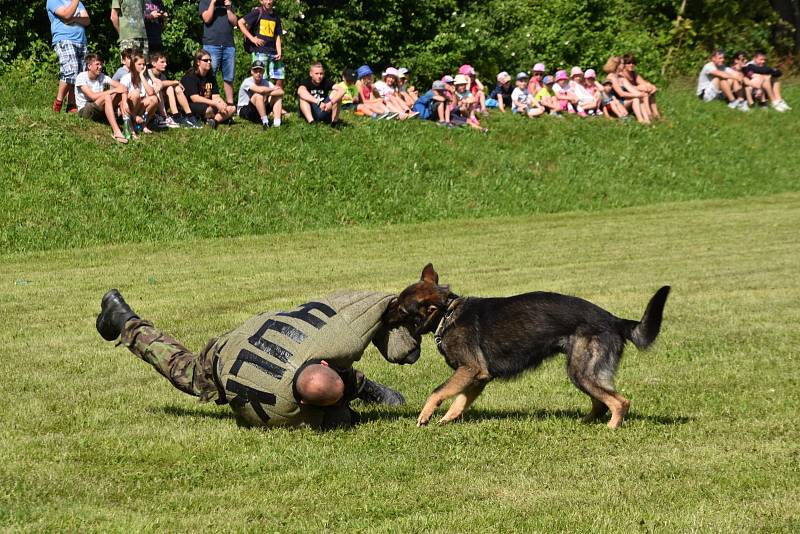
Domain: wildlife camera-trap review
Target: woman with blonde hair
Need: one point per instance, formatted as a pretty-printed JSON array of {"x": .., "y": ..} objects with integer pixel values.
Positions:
[{"x": 629, "y": 97}]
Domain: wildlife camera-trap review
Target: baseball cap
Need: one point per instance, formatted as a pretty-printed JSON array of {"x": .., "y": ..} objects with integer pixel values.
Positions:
[
  {"x": 403, "y": 72},
  {"x": 391, "y": 71},
  {"x": 539, "y": 67},
  {"x": 503, "y": 77},
  {"x": 257, "y": 64},
  {"x": 439, "y": 85},
  {"x": 363, "y": 70},
  {"x": 547, "y": 80},
  {"x": 590, "y": 73},
  {"x": 522, "y": 76},
  {"x": 461, "y": 78},
  {"x": 466, "y": 70},
  {"x": 561, "y": 75},
  {"x": 576, "y": 71},
  {"x": 447, "y": 78}
]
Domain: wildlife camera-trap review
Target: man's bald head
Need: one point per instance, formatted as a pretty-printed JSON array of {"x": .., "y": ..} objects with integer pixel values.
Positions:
[{"x": 319, "y": 385}]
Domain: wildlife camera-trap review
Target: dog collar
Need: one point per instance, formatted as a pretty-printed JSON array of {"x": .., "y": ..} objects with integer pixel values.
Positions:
[{"x": 444, "y": 323}]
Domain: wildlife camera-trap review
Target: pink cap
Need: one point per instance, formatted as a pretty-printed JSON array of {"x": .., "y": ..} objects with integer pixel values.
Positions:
[
  {"x": 576, "y": 71},
  {"x": 466, "y": 70},
  {"x": 561, "y": 75},
  {"x": 539, "y": 67},
  {"x": 391, "y": 71},
  {"x": 590, "y": 73}
]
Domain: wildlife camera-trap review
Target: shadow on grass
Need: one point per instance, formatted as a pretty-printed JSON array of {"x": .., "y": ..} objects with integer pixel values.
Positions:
[
  {"x": 482, "y": 414},
  {"x": 371, "y": 413}
]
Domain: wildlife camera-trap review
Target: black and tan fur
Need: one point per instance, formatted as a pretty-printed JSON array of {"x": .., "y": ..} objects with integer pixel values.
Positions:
[{"x": 487, "y": 338}]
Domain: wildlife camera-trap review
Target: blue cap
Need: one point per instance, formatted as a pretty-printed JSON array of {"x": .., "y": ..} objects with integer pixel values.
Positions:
[{"x": 363, "y": 70}]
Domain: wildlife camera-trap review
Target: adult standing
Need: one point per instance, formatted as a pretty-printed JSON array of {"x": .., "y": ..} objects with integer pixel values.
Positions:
[
  {"x": 318, "y": 98},
  {"x": 127, "y": 17},
  {"x": 68, "y": 21},
  {"x": 219, "y": 19},
  {"x": 155, "y": 16},
  {"x": 265, "y": 39}
]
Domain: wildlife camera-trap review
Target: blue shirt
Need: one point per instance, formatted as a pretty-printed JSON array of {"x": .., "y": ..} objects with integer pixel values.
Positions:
[{"x": 64, "y": 32}]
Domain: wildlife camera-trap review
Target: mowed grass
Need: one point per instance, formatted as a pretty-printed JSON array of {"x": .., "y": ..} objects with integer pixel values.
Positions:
[
  {"x": 94, "y": 440},
  {"x": 65, "y": 183}
]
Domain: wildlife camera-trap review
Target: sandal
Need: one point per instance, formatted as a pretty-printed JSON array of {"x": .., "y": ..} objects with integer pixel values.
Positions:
[{"x": 120, "y": 139}]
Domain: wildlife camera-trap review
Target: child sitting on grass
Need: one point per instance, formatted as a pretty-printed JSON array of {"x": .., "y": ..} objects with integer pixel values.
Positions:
[
  {"x": 368, "y": 99},
  {"x": 433, "y": 104},
  {"x": 387, "y": 88},
  {"x": 142, "y": 101},
  {"x": 522, "y": 101},
  {"x": 500, "y": 97},
  {"x": 407, "y": 92},
  {"x": 475, "y": 87},
  {"x": 349, "y": 89},
  {"x": 567, "y": 100},
  {"x": 467, "y": 102},
  {"x": 546, "y": 97},
  {"x": 611, "y": 106}
]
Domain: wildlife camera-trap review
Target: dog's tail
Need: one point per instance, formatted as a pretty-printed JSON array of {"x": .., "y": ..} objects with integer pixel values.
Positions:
[{"x": 643, "y": 333}]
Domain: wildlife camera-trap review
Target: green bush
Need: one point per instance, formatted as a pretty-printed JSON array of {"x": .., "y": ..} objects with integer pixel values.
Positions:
[{"x": 434, "y": 37}]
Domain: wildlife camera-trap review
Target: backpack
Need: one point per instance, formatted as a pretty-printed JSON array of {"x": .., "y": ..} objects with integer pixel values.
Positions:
[{"x": 249, "y": 47}]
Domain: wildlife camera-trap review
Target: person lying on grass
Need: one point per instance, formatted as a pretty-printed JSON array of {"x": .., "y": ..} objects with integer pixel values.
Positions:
[
  {"x": 288, "y": 368},
  {"x": 98, "y": 96}
]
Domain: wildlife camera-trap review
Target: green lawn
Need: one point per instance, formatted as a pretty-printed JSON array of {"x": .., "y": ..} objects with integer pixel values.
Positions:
[
  {"x": 94, "y": 440},
  {"x": 65, "y": 183}
]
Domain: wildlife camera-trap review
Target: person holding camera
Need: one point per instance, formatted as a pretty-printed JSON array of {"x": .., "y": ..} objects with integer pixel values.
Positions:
[
  {"x": 219, "y": 19},
  {"x": 127, "y": 17},
  {"x": 155, "y": 16},
  {"x": 200, "y": 87}
]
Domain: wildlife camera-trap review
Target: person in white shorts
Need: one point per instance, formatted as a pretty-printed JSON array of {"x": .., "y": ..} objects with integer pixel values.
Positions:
[{"x": 717, "y": 82}]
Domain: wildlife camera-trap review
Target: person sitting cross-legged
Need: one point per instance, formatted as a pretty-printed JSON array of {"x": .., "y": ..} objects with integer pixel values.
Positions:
[{"x": 258, "y": 97}]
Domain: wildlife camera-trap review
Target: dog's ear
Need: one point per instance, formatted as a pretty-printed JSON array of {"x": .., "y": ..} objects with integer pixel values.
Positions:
[{"x": 430, "y": 275}]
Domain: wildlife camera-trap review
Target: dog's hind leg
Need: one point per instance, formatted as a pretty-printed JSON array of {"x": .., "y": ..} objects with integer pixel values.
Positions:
[
  {"x": 455, "y": 385},
  {"x": 591, "y": 364},
  {"x": 462, "y": 402}
]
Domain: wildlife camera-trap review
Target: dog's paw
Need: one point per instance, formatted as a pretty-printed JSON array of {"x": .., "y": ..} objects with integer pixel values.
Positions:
[{"x": 423, "y": 419}]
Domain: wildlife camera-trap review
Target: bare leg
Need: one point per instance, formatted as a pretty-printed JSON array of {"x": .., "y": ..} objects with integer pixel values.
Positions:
[
  {"x": 725, "y": 87},
  {"x": 228, "y": 86},
  {"x": 305, "y": 109}
]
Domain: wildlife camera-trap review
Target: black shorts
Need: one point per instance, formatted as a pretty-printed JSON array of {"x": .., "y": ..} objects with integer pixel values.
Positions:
[
  {"x": 250, "y": 112},
  {"x": 198, "y": 109}
]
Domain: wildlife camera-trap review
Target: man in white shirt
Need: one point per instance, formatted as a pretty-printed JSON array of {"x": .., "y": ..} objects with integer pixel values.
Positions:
[
  {"x": 258, "y": 96},
  {"x": 98, "y": 96},
  {"x": 715, "y": 81}
]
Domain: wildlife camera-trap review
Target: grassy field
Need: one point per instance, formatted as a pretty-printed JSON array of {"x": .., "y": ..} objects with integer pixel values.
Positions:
[
  {"x": 94, "y": 440},
  {"x": 66, "y": 183}
]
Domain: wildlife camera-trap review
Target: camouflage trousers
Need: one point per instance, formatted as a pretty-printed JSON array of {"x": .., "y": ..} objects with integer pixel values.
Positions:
[
  {"x": 189, "y": 372},
  {"x": 138, "y": 44}
]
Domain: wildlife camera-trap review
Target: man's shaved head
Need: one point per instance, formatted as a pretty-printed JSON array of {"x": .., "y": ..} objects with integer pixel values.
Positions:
[{"x": 319, "y": 385}]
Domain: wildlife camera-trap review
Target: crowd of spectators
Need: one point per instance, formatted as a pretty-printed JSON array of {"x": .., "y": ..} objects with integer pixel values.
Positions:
[{"x": 140, "y": 98}]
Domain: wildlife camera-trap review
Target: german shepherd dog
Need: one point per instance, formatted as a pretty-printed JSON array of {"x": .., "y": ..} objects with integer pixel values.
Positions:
[{"x": 487, "y": 338}]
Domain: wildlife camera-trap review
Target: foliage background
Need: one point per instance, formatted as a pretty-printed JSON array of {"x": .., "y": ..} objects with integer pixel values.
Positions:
[{"x": 434, "y": 36}]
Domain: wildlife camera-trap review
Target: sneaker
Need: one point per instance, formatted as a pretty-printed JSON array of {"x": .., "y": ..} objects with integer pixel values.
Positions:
[
  {"x": 743, "y": 106},
  {"x": 57, "y": 105},
  {"x": 780, "y": 106},
  {"x": 170, "y": 122},
  {"x": 385, "y": 115},
  {"x": 265, "y": 126},
  {"x": 391, "y": 116},
  {"x": 72, "y": 108},
  {"x": 735, "y": 103},
  {"x": 158, "y": 123},
  {"x": 785, "y": 106},
  {"x": 212, "y": 123},
  {"x": 582, "y": 114},
  {"x": 375, "y": 393},
  {"x": 193, "y": 122}
]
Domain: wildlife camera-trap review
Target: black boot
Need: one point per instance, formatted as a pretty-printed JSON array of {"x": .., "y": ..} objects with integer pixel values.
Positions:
[
  {"x": 114, "y": 313},
  {"x": 378, "y": 393}
]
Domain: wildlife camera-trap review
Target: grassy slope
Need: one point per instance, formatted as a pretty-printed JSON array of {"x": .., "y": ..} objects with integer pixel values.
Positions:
[
  {"x": 65, "y": 183},
  {"x": 94, "y": 440}
]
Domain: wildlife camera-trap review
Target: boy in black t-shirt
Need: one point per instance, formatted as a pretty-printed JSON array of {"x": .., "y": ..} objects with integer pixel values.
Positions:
[
  {"x": 262, "y": 31},
  {"x": 200, "y": 87},
  {"x": 318, "y": 98}
]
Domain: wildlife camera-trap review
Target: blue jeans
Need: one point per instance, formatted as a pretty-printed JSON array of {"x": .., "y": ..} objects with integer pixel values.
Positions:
[{"x": 225, "y": 55}]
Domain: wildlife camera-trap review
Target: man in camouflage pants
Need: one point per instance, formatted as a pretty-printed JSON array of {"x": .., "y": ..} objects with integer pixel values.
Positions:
[{"x": 277, "y": 369}]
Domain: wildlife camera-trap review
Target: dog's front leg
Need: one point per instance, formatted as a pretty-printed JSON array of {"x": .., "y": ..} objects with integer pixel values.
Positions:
[
  {"x": 462, "y": 402},
  {"x": 455, "y": 385}
]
